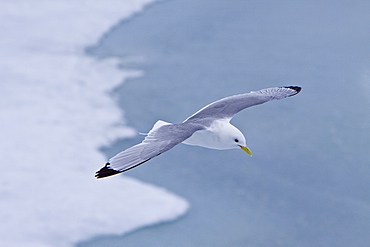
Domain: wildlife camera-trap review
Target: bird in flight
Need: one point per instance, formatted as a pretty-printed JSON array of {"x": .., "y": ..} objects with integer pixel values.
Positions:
[{"x": 209, "y": 127}]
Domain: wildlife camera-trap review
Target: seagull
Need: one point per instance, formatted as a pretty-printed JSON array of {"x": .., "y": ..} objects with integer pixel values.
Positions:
[{"x": 209, "y": 127}]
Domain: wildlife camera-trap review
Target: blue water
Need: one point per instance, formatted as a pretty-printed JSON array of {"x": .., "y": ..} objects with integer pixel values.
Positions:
[{"x": 307, "y": 182}]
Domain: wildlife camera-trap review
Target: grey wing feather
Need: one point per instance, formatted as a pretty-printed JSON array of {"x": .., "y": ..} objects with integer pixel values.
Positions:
[
  {"x": 157, "y": 142},
  {"x": 229, "y": 106}
]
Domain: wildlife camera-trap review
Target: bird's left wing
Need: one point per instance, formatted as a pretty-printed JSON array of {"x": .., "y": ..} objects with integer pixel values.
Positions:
[
  {"x": 229, "y": 106},
  {"x": 157, "y": 142}
]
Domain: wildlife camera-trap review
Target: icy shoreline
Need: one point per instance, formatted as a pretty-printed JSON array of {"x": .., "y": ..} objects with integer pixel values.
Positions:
[{"x": 56, "y": 114}]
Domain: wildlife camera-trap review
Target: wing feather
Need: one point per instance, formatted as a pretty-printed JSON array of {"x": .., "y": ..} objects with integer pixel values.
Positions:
[
  {"x": 156, "y": 143},
  {"x": 229, "y": 106}
]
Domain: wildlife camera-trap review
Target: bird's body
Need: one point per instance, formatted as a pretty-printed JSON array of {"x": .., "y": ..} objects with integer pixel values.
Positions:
[
  {"x": 210, "y": 127},
  {"x": 216, "y": 135}
]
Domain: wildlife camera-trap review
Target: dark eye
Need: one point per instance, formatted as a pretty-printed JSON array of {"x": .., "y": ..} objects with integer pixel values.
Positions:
[{"x": 236, "y": 140}]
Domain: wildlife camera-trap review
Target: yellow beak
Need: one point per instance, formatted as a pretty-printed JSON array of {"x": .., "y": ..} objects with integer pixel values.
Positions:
[{"x": 247, "y": 150}]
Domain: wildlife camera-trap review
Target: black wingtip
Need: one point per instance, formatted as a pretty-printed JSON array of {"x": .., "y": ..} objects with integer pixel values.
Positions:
[
  {"x": 295, "y": 88},
  {"x": 106, "y": 171}
]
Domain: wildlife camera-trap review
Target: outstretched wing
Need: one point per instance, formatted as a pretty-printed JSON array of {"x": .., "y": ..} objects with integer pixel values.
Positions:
[
  {"x": 157, "y": 142},
  {"x": 229, "y": 106}
]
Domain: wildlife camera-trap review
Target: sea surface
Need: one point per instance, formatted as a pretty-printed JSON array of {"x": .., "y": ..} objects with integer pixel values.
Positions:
[{"x": 307, "y": 183}]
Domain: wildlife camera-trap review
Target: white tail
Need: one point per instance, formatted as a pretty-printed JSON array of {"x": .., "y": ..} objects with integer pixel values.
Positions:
[{"x": 157, "y": 125}]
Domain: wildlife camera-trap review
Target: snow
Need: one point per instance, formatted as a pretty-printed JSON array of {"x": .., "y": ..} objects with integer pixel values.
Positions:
[{"x": 56, "y": 112}]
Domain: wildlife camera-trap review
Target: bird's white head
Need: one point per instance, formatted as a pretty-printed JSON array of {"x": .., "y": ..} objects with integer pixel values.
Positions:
[{"x": 231, "y": 137}]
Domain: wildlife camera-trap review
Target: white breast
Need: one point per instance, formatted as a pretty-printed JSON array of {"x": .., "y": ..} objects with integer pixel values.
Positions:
[
  {"x": 203, "y": 138},
  {"x": 215, "y": 137}
]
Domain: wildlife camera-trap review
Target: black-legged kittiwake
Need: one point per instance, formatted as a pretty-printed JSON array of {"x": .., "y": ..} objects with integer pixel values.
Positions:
[{"x": 209, "y": 127}]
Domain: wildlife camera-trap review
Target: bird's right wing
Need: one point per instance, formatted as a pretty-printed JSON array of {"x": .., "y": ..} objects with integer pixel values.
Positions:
[{"x": 157, "y": 142}]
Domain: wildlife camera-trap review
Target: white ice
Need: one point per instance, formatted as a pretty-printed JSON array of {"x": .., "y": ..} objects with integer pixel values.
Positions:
[{"x": 56, "y": 112}]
